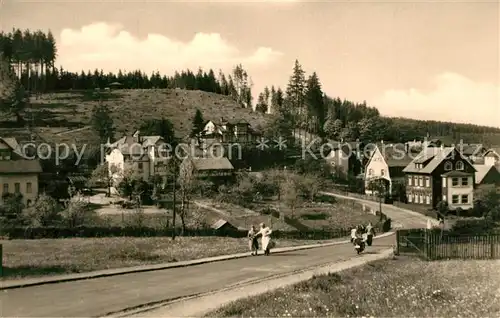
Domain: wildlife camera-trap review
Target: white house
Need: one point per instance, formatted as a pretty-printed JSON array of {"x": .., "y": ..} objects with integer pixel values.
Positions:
[
  {"x": 491, "y": 157},
  {"x": 144, "y": 156},
  {"x": 377, "y": 168}
]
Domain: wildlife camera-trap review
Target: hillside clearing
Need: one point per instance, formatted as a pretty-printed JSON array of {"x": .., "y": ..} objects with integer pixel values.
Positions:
[
  {"x": 56, "y": 113},
  {"x": 389, "y": 288}
]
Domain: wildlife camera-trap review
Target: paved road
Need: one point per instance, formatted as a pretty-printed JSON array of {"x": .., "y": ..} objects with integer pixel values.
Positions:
[
  {"x": 97, "y": 297},
  {"x": 404, "y": 218}
]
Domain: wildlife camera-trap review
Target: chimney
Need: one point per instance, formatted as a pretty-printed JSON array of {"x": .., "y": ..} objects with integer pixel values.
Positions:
[
  {"x": 425, "y": 143},
  {"x": 442, "y": 146},
  {"x": 382, "y": 142}
]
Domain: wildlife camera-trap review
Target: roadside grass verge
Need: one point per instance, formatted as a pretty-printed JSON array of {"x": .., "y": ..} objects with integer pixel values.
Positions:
[
  {"x": 403, "y": 287},
  {"x": 23, "y": 258}
]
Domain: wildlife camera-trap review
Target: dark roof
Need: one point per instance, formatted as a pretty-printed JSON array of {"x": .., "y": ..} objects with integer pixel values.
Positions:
[
  {"x": 435, "y": 155},
  {"x": 471, "y": 149},
  {"x": 77, "y": 179},
  {"x": 20, "y": 166},
  {"x": 212, "y": 164},
  {"x": 220, "y": 223},
  {"x": 456, "y": 173}
]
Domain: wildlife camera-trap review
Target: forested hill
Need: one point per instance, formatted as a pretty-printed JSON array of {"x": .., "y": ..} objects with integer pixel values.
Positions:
[{"x": 303, "y": 104}]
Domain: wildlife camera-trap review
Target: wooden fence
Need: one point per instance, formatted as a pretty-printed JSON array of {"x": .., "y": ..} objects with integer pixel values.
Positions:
[{"x": 434, "y": 245}]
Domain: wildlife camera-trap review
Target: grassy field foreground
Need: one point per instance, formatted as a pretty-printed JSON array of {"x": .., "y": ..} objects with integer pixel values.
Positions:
[
  {"x": 22, "y": 258},
  {"x": 389, "y": 288}
]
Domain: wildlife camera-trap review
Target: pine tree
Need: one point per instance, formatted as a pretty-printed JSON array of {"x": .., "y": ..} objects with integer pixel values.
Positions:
[
  {"x": 198, "y": 124},
  {"x": 261, "y": 106},
  {"x": 102, "y": 122},
  {"x": 315, "y": 103},
  {"x": 295, "y": 96}
]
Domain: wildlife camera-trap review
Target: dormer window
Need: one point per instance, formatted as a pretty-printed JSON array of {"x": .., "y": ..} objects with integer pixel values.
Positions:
[
  {"x": 459, "y": 165},
  {"x": 448, "y": 166}
]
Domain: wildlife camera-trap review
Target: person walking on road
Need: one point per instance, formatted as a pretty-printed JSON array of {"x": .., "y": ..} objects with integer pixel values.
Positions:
[
  {"x": 370, "y": 233},
  {"x": 353, "y": 234},
  {"x": 265, "y": 232},
  {"x": 253, "y": 243}
]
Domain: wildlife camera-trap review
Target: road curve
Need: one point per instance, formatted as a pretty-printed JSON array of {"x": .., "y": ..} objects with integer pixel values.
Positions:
[
  {"x": 101, "y": 296},
  {"x": 404, "y": 218}
]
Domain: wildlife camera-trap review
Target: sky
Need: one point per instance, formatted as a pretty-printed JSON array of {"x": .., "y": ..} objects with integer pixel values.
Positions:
[{"x": 425, "y": 60}]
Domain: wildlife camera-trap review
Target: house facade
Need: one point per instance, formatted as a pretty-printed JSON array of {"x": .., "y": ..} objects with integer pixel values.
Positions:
[
  {"x": 229, "y": 131},
  {"x": 144, "y": 156},
  {"x": 218, "y": 170},
  {"x": 386, "y": 162},
  {"x": 18, "y": 174},
  {"x": 440, "y": 174},
  {"x": 345, "y": 158}
]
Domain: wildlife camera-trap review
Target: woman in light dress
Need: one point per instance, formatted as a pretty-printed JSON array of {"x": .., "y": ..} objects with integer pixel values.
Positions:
[{"x": 265, "y": 232}]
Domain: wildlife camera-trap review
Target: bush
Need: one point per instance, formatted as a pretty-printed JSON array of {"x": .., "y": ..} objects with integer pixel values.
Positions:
[
  {"x": 473, "y": 227},
  {"x": 387, "y": 225}
]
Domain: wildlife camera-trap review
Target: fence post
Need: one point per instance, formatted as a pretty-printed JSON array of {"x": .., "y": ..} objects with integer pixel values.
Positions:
[
  {"x": 397, "y": 243},
  {"x": 1, "y": 260},
  {"x": 492, "y": 246}
]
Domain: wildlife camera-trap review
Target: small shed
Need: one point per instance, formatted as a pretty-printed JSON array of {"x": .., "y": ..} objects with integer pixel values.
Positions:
[
  {"x": 115, "y": 85},
  {"x": 224, "y": 227},
  {"x": 78, "y": 182}
]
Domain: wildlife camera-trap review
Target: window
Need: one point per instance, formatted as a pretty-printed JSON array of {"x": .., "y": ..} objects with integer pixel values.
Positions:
[
  {"x": 410, "y": 197},
  {"x": 28, "y": 187},
  {"x": 427, "y": 199},
  {"x": 465, "y": 181},
  {"x": 448, "y": 166},
  {"x": 17, "y": 187},
  {"x": 139, "y": 165},
  {"x": 409, "y": 180},
  {"x": 5, "y": 188},
  {"x": 420, "y": 198},
  {"x": 28, "y": 203},
  {"x": 427, "y": 182},
  {"x": 454, "y": 182},
  {"x": 382, "y": 172},
  {"x": 454, "y": 199},
  {"x": 444, "y": 198},
  {"x": 465, "y": 199},
  {"x": 420, "y": 181},
  {"x": 370, "y": 172},
  {"x": 444, "y": 182},
  {"x": 459, "y": 165}
]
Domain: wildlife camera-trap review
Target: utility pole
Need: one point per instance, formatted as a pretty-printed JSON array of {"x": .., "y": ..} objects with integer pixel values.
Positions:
[{"x": 173, "y": 203}]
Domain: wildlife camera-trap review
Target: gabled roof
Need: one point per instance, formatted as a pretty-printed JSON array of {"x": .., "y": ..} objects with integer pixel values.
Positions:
[
  {"x": 434, "y": 156},
  {"x": 127, "y": 144},
  {"x": 482, "y": 171},
  {"x": 395, "y": 155},
  {"x": 471, "y": 149},
  {"x": 494, "y": 151},
  {"x": 220, "y": 223}
]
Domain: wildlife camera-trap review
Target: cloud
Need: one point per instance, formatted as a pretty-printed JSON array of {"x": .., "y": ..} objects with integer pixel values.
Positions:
[
  {"x": 454, "y": 98},
  {"x": 110, "y": 47}
]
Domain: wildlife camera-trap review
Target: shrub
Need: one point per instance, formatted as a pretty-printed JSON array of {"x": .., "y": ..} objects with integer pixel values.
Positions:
[
  {"x": 387, "y": 225},
  {"x": 472, "y": 227}
]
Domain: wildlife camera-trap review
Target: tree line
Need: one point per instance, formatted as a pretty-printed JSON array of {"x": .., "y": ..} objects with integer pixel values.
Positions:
[
  {"x": 302, "y": 105},
  {"x": 304, "y": 108}
]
